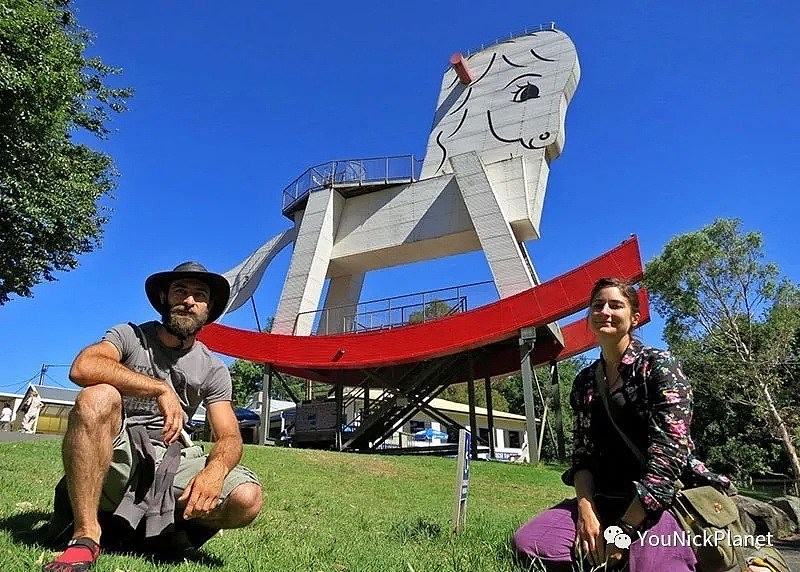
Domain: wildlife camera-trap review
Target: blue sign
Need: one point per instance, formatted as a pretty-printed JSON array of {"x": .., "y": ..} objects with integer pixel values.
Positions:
[
  {"x": 465, "y": 472},
  {"x": 462, "y": 481}
]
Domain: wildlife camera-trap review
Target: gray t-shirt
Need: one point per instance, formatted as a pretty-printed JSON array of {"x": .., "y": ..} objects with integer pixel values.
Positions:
[{"x": 195, "y": 374}]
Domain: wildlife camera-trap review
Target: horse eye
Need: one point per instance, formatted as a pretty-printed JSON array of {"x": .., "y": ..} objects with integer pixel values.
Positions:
[{"x": 526, "y": 92}]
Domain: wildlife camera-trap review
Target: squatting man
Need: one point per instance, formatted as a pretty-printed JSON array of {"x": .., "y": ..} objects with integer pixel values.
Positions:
[{"x": 141, "y": 385}]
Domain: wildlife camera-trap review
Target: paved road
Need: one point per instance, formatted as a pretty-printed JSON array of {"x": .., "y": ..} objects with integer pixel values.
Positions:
[{"x": 8, "y": 436}]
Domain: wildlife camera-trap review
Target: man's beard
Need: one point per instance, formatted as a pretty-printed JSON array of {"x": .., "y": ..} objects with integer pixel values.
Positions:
[{"x": 180, "y": 325}]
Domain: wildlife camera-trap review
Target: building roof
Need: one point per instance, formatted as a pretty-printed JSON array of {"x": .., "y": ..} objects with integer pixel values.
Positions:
[
  {"x": 66, "y": 396},
  {"x": 455, "y": 407},
  {"x": 60, "y": 395},
  {"x": 275, "y": 405}
]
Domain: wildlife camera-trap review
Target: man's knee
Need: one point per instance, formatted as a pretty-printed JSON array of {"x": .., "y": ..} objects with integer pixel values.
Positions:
[
  {"x": 243, "y": 505},
  {"x": 98, "y": 405}
]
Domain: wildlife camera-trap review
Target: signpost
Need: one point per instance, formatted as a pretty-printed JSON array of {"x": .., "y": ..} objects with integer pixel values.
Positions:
[{"x": 462, "y": 480}]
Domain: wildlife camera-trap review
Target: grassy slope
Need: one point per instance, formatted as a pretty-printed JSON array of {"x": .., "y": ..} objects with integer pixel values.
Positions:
[{"x": 322, "y": 511}]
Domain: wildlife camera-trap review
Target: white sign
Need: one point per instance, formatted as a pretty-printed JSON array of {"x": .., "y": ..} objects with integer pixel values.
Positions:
[{"x": 462, "y": 480}]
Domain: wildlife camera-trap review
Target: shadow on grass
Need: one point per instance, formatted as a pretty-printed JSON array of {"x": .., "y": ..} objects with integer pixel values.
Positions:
[
  {"x": 417, "y": 529},
  {"x": 31, "y": 529},
  {"x": 28, "y": 528}
]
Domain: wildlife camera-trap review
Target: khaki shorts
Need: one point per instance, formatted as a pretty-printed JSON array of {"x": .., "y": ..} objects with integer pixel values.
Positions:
[{"x": 193, "y": 460}]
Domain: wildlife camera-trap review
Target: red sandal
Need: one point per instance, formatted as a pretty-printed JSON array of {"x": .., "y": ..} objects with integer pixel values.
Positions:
[{"x": 80, "y": 555}]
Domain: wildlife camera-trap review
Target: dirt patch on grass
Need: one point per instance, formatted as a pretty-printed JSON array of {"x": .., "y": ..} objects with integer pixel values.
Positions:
[
  {"x": 371, "y": 466},
  {"x": 380, "y": 467},
  {"x": 350, "y": 462}
]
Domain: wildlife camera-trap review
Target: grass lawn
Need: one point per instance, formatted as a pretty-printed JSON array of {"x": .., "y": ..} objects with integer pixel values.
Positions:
[{"x": 322, "y": 511}]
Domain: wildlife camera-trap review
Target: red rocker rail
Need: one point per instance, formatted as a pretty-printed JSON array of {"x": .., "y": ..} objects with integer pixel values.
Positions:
[{"x": 478, "y": 328}]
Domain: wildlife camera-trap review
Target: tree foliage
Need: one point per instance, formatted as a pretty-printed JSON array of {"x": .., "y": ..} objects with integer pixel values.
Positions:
[
  {"x": 508, "y": 395},
  {"x": 734, "y": 324},
  {"x": 50, "y": 185},
  {"x": 458, "y": 392},
  {"x": 434, "y": 309},
  {"x": 248, "y": 377}
]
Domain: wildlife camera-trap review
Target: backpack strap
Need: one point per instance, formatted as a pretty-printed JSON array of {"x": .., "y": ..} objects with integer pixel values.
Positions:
[{"x": 602, "y": 389}]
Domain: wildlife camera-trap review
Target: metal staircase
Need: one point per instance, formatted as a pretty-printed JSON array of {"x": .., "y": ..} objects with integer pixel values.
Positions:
[{"x": 412, "y": 392}]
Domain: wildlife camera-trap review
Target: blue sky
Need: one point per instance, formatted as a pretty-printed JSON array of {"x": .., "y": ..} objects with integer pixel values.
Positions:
[{"x": 684, "y": 113}]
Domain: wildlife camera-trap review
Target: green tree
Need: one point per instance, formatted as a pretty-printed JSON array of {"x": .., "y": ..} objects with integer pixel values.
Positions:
[
  {"x": 248, "y": 377},
  {"x": 458, "y": 393},
  {"x": 510, "y": 387},
  {"x": 50, "y": 185},
  {"x": 734, "y": 324},
  {"x": 434, "y": 309}
]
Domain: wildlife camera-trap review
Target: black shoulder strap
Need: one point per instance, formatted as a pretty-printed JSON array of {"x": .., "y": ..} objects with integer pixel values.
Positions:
[{"x": 602, "y": 389}]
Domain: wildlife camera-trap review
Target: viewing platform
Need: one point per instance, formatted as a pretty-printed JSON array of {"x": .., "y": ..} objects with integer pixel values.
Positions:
[
  {"x": 350, "y": 177},
  {"x": 402, "y": 310}
]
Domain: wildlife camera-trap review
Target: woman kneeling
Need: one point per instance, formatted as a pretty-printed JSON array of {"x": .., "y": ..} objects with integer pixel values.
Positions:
[{"x": 621, "y": 505}]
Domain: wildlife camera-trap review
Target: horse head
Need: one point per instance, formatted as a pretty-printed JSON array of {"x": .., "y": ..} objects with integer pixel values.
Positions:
[{"x": 514, "y": 103}]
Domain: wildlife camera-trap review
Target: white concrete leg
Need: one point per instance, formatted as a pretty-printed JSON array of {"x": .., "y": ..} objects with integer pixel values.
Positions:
[
  {"x": 312, "y": 253},
  {"x": 506, "y": 261},
  {"x": 340, "y": 304}
]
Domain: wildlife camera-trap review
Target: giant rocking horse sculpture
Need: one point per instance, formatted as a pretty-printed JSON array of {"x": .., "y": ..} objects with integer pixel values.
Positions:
[{"x": 498, "y": 126}]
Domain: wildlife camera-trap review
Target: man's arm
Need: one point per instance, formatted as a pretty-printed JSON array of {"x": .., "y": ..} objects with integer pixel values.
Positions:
[
  {"x": 203, "y": 492},
  {"x": 100, "y": 363}
]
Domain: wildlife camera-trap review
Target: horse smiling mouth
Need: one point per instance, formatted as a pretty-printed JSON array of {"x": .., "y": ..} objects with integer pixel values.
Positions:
[{"x": 530, "y": 144}]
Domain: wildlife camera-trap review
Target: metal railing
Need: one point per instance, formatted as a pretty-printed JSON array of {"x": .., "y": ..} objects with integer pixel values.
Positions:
[
  {"x": 376, "y": 401},
  {"x": 403, "y": 310},
  {"x": 350, "y": 173},
  {"x": 511, "y": 36},
  {"x": 404, "y": 315}
]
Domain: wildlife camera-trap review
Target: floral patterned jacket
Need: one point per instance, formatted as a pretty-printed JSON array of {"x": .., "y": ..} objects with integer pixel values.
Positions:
[{"x": 661, "y": 397}]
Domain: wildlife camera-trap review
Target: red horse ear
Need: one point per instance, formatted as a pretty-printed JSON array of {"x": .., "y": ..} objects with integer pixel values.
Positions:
[{"x": 459, "y": 64}]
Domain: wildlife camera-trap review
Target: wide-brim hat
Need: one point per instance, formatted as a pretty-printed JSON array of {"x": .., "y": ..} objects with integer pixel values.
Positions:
[{"x": 160, "y": 281}]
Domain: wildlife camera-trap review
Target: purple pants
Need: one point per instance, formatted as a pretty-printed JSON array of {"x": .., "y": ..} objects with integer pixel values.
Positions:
[{"x": 549, "y": 537}]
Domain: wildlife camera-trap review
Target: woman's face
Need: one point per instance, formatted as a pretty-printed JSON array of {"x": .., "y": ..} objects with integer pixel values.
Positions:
[{"x": 610, "y": 314}]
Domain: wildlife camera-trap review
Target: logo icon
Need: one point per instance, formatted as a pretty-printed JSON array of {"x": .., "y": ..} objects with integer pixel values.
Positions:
[{"x": 614, "y": 535}]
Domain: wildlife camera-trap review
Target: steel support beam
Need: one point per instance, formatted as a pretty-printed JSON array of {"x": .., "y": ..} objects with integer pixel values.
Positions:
[
  {"x": 557, "y": 414},
  {"x": 490, "y": 415},
  {"x": 473, "y": 419},
  {"x": 527, "y": 339},
  {"x": 286, "y": 387},
  {"x": 265, "y": 403},
  {"x": 339, "y": 415}
]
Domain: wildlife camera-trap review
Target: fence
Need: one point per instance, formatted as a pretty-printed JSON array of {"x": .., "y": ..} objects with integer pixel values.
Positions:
[
  {"x": 386, "y": 313},
  {"x": 352, "y": 173}
]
